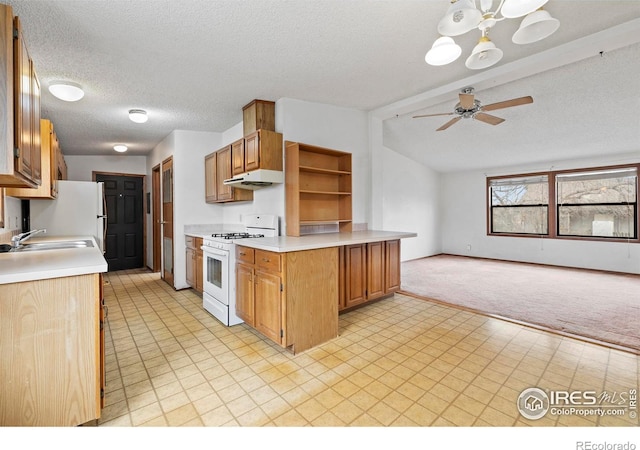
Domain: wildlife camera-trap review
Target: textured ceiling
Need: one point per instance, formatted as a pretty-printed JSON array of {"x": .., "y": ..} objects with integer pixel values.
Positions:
[{"x": 193, "y": 64}]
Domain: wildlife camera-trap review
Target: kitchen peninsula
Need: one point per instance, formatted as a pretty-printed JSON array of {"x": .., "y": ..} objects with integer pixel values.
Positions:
[
  {"x": 292, "y": 289},
  {"x": 51, "y": 334}
]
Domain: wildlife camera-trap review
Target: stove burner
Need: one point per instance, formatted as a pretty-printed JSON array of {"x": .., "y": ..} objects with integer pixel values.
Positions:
[{"x": 236, "y": 235}]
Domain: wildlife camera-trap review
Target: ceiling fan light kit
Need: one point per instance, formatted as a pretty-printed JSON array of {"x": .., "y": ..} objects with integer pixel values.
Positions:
[
  {"x": 463, "y": 16},
  {"x": 470, "y": 108}
]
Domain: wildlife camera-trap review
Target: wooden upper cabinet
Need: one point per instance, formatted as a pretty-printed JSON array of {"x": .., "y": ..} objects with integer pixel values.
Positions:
[
  {"x": 237, "y": 156},
  {"x": 210, "y": 172},
  {"x": 261, "y": 149},
  {"x": 217, "y": 168},
  {"x": 258, "y": 115},
  {"x": 50, "y": 165},
  {"x": 223, "y": 172},
  {"x": 20, "y": 107}
]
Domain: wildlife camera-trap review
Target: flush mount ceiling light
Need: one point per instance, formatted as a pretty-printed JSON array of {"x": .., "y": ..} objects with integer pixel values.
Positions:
[
  {"x": 66, "y": 90},
  {"x": 120, "y": 148},
  {"x": 138, "y": 115},
  {"x": 466, "y": 15}
]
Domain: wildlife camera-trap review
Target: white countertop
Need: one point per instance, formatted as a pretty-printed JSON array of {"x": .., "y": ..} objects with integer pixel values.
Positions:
[
  {"x": 17, "y": 267},
  {"x": 283, "y": 244}
]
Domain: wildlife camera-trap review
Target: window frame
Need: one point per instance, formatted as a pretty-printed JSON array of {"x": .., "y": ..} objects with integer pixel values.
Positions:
[{"x": 553, "y": 205}]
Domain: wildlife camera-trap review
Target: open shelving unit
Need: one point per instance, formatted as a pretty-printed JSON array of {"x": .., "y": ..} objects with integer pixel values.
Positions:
[{"x": 318, "y": 188}]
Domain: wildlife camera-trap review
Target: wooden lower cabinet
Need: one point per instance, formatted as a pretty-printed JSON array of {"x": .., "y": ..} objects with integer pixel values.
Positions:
[
  {"x": 289, "y": 297},
  {"x": 194, "y": 262},
  {"x": 52, "y": 351},
  {"x": 370, "y": 271}
]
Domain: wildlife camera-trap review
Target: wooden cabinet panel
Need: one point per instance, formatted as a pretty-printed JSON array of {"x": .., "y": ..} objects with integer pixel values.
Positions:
[
  {"x": 268, "y": 260},
  {"x": 245, "y": 293},
  {"x": 268, "y": 305},
  {"x": 49, "y": 156},
  {"x": 210, "y": 177},
  {"x": 223, "y": 172},
  {"x": 246, "y": 255},
  {"x": 375, "y": 270},
  {"x": 259, "y": 114},
  {"x": 237, "y": 156},
  {"x": 356, "y": 275},
  {"x": 193, "y": 261},
  {"x": 392, "y": 266},
  {"x": 50, "y": 348},
  {"x": 252, "y": 152},
  {"x": 24, "y": 106}
]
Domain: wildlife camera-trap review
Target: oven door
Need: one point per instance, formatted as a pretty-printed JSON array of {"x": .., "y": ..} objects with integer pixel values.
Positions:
[{"x": 215, "y": 267}]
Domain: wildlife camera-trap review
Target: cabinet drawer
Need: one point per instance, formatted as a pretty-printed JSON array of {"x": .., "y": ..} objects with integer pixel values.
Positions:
[
  {"x": 245, "y": 254},
  {"x": 268, "y": 260}
]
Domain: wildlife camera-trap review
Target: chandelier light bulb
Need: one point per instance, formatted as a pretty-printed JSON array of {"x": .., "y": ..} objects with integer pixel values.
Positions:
[
  {"x": 518, "y": 8},
  {"x": 120, "y": 148},
  {"x": 443, "y": 51},
  {"x": 484, "y": 55},
  {"x": 535, "y": 27}
]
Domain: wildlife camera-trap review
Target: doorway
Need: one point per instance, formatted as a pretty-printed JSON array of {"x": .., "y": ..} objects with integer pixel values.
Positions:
[
  {"x": 157, "y": 217},
  {"x": 124, "y": 244},
  {"x": 162, "y": 194}
]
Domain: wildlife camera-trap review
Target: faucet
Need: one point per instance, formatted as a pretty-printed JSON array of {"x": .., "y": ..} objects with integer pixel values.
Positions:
[{"x": 17, "y": 240}]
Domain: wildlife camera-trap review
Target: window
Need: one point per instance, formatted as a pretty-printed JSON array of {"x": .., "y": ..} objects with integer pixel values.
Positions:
[
  {"x": 520, "y": 205},
  {"x": 598, "y": 204}
]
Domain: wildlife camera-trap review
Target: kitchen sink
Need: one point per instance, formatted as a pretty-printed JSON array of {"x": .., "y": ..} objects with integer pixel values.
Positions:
[{"x": 47, "y": 245}]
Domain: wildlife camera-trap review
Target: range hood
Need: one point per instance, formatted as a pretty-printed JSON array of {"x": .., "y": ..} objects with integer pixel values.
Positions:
[{"x": 256, "y": 179}]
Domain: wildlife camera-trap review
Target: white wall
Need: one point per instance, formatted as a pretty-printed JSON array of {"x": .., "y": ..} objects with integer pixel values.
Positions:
[
  {"x": 464, "y": 224},
  {"x": 81, "y": 168},
  {"x": 337, "y": 128},
  {"x": 411, "y": 202},
  {"x": 12, "y": 216}
]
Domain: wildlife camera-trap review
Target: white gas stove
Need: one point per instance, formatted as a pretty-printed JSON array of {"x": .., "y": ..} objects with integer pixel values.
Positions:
[{"x": 219, "y": 265}]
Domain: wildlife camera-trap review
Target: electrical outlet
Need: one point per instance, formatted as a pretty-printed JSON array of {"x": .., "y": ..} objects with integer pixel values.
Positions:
[{"x": 468, "y": 246}]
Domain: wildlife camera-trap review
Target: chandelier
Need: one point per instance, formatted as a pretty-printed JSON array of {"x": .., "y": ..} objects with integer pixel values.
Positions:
[{"x": 463, "y": 16}]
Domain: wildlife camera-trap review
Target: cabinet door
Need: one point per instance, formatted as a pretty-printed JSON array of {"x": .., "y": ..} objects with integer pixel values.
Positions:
[
  {"x": 199, "y": 274},
  {"x": 237, "y": 156},
  {"x": 102, "y": 356},
  {"x": 190, "y": 266},
  {"x": 23, "y": 105},
  {"x": 223, "y": 172},
  {"x": 268, "y": 305},
  {"x": 356, "y": 275},
  {"x": 392, "y": 266},
  {"x": 36, "y": 152},
  {"x": 244, "y": 293},
  {"x": 252, "y": 151},
  {"x": 210, "y": 173},
  {"x": 375, "y": 270}
]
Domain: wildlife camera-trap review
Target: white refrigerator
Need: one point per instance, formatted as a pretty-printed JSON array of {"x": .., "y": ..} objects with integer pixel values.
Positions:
[{"x": 79, "y": 209}]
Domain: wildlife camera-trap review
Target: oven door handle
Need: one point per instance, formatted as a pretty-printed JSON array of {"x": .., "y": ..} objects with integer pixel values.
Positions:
[{"x": 212, "y": 251}]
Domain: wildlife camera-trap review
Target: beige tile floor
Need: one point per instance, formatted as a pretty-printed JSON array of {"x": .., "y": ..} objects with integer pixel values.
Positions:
[{"x": 399, "y": 362}]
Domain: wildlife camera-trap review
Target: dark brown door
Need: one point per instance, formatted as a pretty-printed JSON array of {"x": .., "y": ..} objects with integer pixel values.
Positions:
[
  {"x": 157, "y": 248},
  {"x": 124, "y": 243}
]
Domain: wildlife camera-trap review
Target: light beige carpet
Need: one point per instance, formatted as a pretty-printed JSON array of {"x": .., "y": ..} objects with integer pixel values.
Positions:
[{"x": 597, "y": 305}]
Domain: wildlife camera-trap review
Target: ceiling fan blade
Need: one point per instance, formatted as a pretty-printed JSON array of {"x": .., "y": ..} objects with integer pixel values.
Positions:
[
  {"x": 508, "y": 103},
  {"x": 466, "y": 100},
  {"x": 433, "y": 115},
  {"x": 449, "y": 123},
  {"x": 488, "y": 118}
]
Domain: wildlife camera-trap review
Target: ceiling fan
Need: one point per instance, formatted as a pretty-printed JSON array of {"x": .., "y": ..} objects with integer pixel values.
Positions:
[{"x": 469, "y": 107}]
